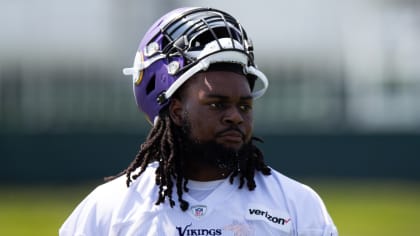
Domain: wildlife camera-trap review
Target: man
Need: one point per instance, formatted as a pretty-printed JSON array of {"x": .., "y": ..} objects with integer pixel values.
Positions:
[{"x": 199, "y": 171}]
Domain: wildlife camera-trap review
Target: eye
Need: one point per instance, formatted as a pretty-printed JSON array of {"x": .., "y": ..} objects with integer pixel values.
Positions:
[
  {"x": 245, "y": 107},
  {"x": 216, "y": 105}
]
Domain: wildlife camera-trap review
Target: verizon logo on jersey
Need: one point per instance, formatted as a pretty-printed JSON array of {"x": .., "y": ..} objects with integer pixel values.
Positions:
[
  {"x": 269, "y": 217},
  {"x": 276, "y": 219}
]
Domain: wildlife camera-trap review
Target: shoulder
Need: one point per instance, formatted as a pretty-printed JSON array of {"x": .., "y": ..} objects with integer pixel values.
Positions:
[
  {"x": 291, "y": 189},
  {"x": 303, "y": 204},
  {"x": 95, "y": 214},
  {"x": 95, "y": 211},
  {"x": 109, "y": 195}
]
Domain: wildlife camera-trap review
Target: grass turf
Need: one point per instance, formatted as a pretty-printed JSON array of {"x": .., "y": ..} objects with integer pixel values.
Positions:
[
  {"x": 383, "y": 208},
  {"x": 358, "y": 207},
  {"x": 37, "y": 210}
]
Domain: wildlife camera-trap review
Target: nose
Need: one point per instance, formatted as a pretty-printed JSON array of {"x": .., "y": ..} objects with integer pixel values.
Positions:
[{"x": 233, "y": 116}]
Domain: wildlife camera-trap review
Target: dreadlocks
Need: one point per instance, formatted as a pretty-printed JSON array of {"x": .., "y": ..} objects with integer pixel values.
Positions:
[{"x": 165, "y": 145}]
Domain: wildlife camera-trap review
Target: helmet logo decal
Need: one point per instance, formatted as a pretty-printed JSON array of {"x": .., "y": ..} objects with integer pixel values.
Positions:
[{"x": 140, "y": 77}]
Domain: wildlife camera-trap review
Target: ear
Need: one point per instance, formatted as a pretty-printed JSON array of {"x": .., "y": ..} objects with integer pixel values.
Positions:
[{"x": 175, "y": 111}]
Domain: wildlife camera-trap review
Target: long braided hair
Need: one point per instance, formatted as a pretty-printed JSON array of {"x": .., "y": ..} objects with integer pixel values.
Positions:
[{"x": 166, "y": 145}]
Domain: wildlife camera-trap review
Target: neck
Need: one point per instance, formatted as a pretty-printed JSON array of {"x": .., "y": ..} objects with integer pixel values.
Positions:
[{"x": 200, "y": 172}]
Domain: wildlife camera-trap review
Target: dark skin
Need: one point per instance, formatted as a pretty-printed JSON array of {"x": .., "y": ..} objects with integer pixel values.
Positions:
[{"x": 218, "y": 106}]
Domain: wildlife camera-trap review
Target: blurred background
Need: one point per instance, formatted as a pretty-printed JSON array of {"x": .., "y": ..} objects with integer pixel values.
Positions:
[{"x": 342, "y": 111}]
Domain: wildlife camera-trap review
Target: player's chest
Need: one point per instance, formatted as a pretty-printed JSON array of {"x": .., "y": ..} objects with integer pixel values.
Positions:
[{"x": 234, "y": 218}]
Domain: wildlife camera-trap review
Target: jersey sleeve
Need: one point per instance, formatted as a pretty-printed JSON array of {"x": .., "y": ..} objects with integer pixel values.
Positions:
[
  {"x": 85, "y": 218},
  {"x": 93, "y": 215},
  {"x": 314, "y": 219}
]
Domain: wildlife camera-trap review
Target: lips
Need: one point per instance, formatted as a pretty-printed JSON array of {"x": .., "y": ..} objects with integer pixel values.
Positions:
[{"x": 231, "y": 135}]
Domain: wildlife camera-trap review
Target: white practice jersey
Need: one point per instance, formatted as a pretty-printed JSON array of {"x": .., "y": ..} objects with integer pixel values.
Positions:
[{"x": 277, "y": 206}]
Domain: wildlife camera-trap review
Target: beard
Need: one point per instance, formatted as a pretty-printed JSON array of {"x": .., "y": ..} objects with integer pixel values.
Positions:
[{"x": 211, "y": 153}]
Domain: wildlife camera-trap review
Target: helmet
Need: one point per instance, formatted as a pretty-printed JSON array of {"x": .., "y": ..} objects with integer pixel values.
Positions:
[{"x": 182, "y": 43}]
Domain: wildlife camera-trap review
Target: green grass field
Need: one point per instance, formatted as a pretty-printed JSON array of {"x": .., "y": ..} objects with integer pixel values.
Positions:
[
  {"x": 359, "y": 208},
  {"x": 381, "y": 208}
]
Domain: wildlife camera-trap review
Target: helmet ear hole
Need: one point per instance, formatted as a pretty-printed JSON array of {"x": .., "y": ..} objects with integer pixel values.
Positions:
[{"x": 151, "y": 85}]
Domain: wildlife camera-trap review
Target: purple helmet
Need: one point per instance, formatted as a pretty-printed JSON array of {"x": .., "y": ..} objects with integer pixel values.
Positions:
[{"x": 180, "y": 44}]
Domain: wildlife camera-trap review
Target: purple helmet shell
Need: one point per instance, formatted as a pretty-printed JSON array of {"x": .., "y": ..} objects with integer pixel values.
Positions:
[{"x": 182, "y": 43}]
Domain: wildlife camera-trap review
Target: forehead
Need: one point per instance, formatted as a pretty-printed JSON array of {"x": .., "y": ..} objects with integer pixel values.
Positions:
[{"x": 219, "y": 82}]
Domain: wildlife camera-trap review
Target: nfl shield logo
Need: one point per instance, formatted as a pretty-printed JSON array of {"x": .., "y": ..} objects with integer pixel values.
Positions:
[{"x": 199, "y": 211}]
